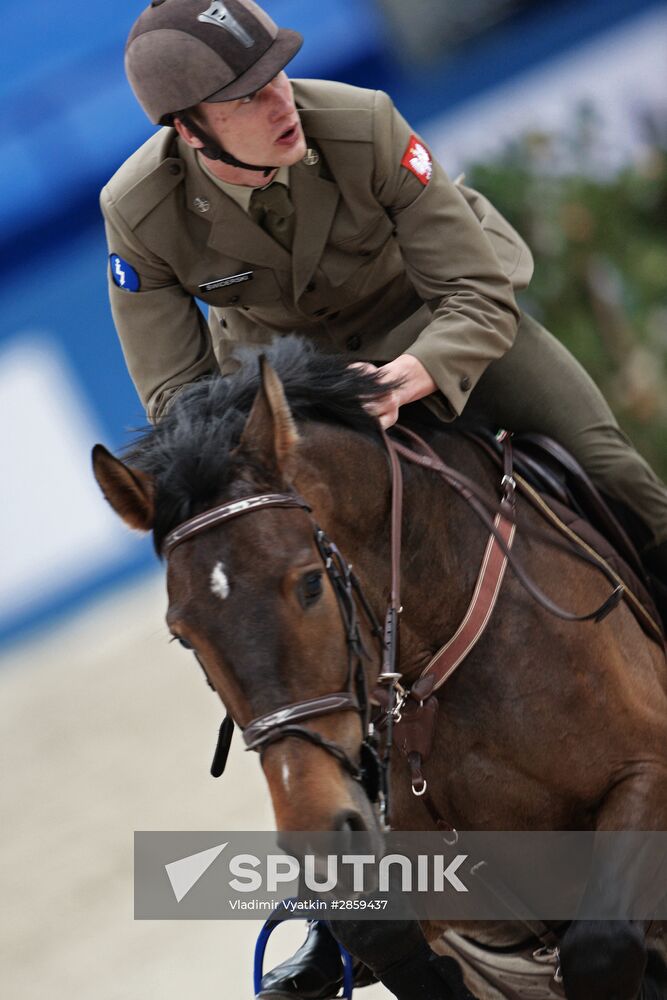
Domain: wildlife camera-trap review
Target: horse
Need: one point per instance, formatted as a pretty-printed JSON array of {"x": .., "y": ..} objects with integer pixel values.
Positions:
[{"x": 547, "y": 725}]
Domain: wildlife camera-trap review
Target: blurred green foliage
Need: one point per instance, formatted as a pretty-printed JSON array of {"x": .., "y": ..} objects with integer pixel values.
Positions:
[{"x": 600, "y": 245}]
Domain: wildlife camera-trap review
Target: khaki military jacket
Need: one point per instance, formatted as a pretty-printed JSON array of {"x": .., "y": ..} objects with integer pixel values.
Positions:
[{"x": 385, "y": 260}]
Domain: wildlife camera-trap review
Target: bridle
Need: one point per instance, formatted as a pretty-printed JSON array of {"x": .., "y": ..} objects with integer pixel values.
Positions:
[
  {"x": 278, "y": 725},
  {"x": 288, "y": 720},
  {"x": 390, "y": 694}
]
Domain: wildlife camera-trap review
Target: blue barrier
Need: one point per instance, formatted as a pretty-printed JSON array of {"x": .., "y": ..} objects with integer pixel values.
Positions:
[{"x": 70, "y": 116}]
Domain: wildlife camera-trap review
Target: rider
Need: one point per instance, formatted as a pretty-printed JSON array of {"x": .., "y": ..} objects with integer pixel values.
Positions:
[{"x": 314, "y": 207}]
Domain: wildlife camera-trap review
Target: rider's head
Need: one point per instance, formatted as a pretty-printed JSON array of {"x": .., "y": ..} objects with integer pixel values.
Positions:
[{"x": 215, "y": 72}]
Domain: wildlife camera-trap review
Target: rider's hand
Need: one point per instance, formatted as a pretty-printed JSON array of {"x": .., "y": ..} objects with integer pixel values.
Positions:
[{"x": 415, "y": 383}]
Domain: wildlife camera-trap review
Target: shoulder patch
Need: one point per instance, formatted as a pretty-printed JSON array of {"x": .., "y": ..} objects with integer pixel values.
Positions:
[
  {"x": 417, "y": 160},
  {"x": 123, "y": 274}
]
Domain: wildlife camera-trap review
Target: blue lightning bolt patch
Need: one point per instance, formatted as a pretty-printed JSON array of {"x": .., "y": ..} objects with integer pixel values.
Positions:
[{"x": 123, "y": 274}]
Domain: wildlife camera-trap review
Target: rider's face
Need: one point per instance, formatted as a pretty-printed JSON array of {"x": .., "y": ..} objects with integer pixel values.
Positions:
[{"x": 261, "y": 129}]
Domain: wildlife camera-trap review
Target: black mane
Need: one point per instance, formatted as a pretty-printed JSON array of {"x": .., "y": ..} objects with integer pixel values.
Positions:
[{"x": 187, "y": 452}]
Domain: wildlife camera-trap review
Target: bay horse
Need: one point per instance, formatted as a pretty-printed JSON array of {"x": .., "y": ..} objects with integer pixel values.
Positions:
[{"x": 548, "y": 725}]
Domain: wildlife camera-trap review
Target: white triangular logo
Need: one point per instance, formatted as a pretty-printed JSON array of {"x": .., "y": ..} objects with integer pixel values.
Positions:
[
  {"x": 218, "y": 14},
  {"x": 185, "y": 872}
]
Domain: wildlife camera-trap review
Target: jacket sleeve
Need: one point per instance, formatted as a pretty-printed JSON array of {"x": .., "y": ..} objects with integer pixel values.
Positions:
[
  {"x": 164, "y": 335},
  {"x": 450, "y": 261}
]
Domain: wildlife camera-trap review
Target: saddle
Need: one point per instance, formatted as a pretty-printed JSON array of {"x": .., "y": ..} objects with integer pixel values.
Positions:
[{"x": 554, "y": 482}]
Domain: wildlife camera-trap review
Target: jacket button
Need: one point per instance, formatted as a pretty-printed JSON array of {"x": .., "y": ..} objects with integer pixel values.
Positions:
[
  {"x": 311, "y": 286},
  {"x": 174, "y": 168},
  {"x": 465, "y": 383},
  {"x": 353, "y": 343}
]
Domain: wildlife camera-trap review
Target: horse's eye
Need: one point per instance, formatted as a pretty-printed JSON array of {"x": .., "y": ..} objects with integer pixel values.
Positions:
[
  {"x": 184, "y": 643},
  {"x": 310, "y": 589}
]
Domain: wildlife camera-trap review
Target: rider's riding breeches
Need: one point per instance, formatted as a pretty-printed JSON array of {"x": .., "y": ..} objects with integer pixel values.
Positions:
[{"x": 539, "y": 386}]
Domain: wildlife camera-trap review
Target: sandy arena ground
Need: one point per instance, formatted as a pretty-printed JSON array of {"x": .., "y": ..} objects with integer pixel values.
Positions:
[{"x": 107, "y": 729}]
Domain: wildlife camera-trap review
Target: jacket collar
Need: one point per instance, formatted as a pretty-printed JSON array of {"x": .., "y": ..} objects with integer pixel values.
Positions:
[
  {"x": 235, "y": 234},
  {"x": 232, "y": 231}
]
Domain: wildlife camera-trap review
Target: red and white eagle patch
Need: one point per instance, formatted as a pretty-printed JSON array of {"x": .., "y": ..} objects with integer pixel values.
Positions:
[{"x": 417, "y": 160}]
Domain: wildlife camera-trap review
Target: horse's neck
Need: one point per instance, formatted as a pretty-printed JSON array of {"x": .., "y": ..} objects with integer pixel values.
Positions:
[{"x": 442, "y": 542}]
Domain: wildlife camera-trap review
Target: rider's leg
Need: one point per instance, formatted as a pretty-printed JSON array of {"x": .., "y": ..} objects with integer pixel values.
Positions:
[
  {"x": 539, "y": 386},
  {"x": 395, "y": 951},
  {"x": 402, "y": 960},
  {"x": 314, "y": 972}
]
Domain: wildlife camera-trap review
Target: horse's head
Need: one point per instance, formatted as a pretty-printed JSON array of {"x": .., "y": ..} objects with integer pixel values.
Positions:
[{"x": 252, "y": 595}]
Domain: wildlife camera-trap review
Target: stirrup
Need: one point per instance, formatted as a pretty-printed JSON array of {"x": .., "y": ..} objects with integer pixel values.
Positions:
[{"x": 260, "y": 951}]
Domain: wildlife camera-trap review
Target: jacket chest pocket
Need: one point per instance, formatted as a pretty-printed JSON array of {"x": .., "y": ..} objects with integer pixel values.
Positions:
[
  {"x": 245, "y": 288},
  {"x": 346, "y": 254},
  {"x": 351, "y": 238}
]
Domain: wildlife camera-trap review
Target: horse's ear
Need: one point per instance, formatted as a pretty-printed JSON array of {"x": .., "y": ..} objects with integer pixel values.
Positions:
[
  {"x": 270, "y": 430},
  {"x": 129, "y": 491}
]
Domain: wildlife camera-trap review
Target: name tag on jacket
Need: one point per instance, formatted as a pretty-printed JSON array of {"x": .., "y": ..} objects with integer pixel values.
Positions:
[{"x": 231, "y": 279}]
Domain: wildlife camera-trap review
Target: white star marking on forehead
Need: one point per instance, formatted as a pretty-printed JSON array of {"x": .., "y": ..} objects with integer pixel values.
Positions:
[{"x": 219, "y": 582}]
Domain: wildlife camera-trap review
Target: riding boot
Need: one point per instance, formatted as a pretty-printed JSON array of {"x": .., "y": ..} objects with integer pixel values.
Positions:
[
  {"x": 426, "y": 976},
  {"x": 314, "y": 972},
  {"x": 655, "y": 561}
]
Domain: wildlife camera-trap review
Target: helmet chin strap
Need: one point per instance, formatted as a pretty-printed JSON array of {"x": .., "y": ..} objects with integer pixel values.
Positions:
[{"x": 214, "y": 151}]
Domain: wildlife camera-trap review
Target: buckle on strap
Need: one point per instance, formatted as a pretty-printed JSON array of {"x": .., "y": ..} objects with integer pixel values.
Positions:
[{"x": 508, "y": 483}]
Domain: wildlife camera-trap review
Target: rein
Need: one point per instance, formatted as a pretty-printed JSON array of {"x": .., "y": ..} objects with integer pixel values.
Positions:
[{"x": 408, "y": 715}]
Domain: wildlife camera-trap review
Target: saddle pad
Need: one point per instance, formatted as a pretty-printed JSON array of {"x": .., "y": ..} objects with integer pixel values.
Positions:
[{"x": 492, "y": 975}]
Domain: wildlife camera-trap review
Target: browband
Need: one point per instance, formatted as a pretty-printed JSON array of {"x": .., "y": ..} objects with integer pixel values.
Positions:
[{"x": 225, "y": 512}]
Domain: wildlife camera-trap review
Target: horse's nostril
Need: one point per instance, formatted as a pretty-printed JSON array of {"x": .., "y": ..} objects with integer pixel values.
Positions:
[
  {"x": 354, "y": 836},
  {"x": 349, "y": 821}
]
